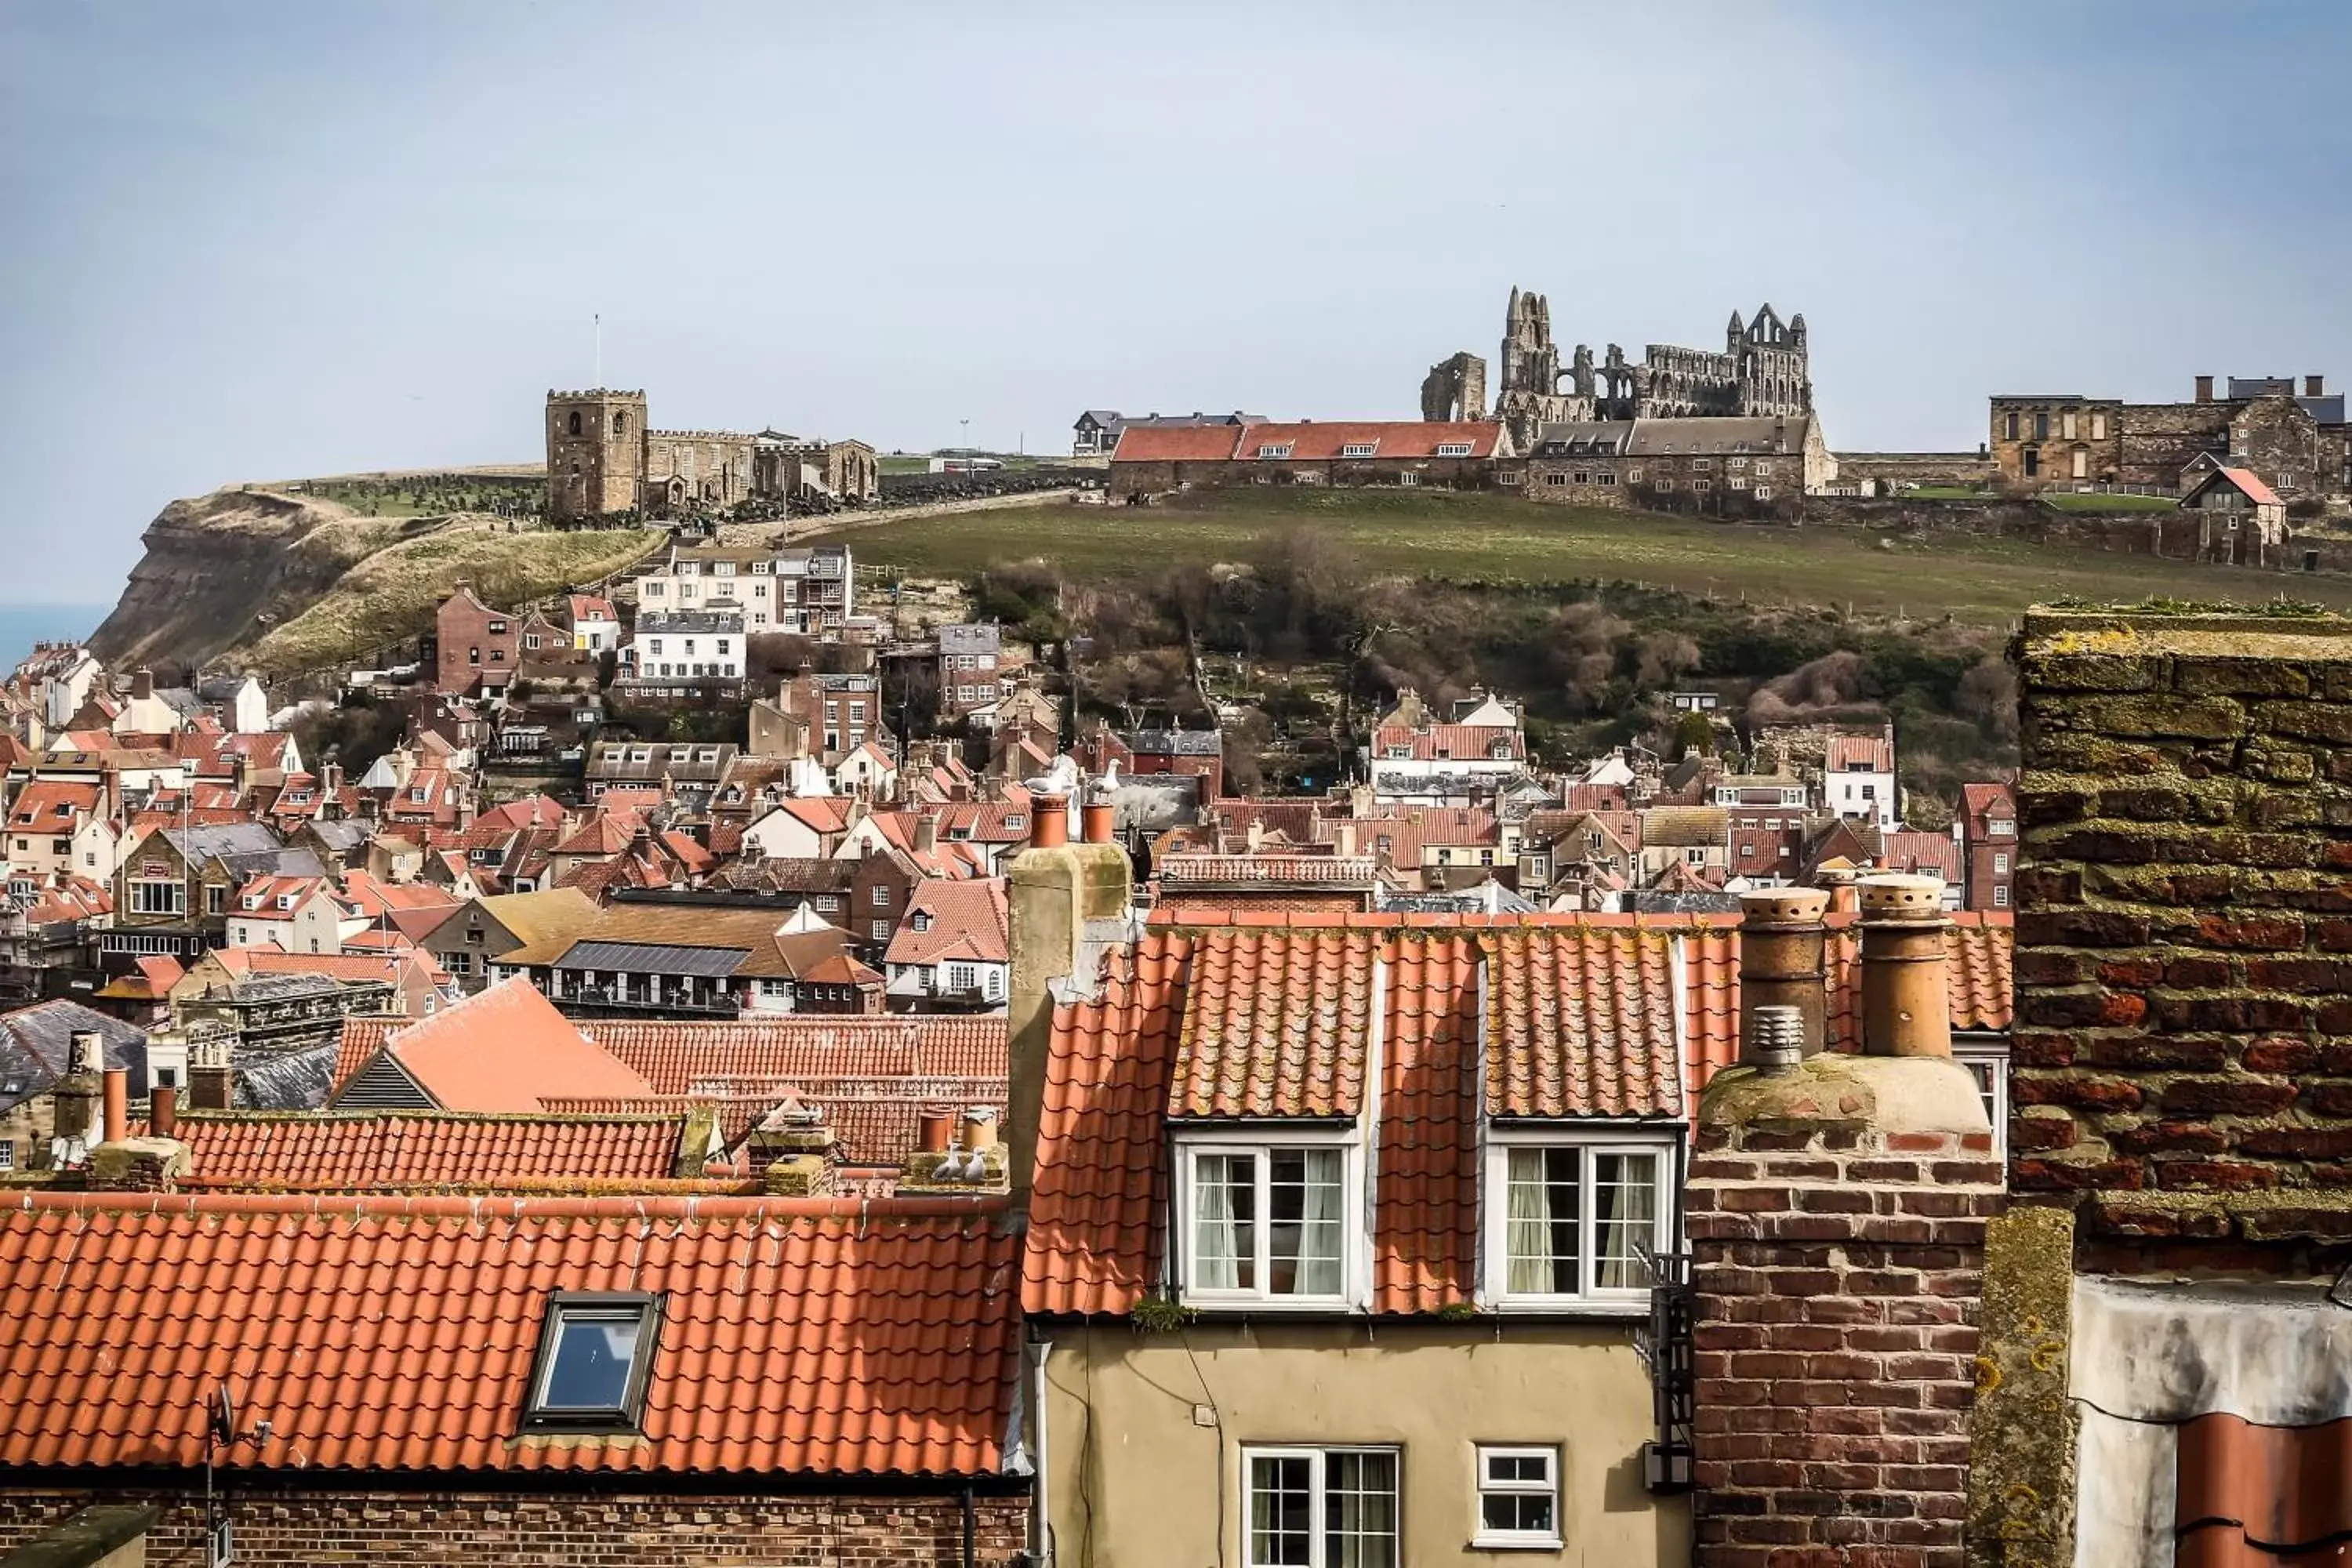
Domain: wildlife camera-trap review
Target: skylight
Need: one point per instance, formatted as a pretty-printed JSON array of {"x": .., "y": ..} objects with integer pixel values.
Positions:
[{"x": 594, "y": 1356}]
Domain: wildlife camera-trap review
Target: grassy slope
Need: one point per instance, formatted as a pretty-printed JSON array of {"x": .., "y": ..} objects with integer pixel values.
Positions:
[
  {"x": 390, "y": 596},
  {"x": 1485, "y": 538}
]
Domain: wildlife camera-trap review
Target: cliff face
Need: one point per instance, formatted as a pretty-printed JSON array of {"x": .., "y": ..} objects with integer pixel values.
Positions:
[
  {"x": 293, "y": 585},
  {"x": 220, "y": 570}
]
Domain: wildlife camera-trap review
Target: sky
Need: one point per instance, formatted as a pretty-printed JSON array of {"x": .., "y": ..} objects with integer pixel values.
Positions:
[{"x": 262, "y": 240}]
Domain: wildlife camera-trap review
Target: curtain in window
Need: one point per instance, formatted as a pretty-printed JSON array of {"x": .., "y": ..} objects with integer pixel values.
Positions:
[
  {"x": 1359, "y": 1510},
  {"x": 1626, "y": 1197},
  {"x": 1318, "y": 1252},
  {"x": 1540, "y": 1221},
  {"x": 1222, "y": 1248}
]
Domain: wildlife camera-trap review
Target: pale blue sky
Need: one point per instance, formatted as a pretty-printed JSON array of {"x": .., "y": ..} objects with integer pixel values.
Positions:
[{"x": 259, "y": 240}]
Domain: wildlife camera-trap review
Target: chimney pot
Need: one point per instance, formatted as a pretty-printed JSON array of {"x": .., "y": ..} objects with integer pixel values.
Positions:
[
  {"x": 979, "y": 1129},
  {"x": 1049, "y": 821},
  {"x": 163, "y": 1111},
  {"x": 937, "y": 1129},
  {"x": 1097, "y": 818},
  {"x": 1779, "y": 1036},
  {"x": 1905, "y": 1002},
  {"x": 117, "y": 1125},
  {"x": 1782, "y": 967},
  {"x": 85, "y": 1051}
]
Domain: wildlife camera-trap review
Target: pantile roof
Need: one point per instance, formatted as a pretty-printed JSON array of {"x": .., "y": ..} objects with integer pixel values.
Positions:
[
  {"x": 386, "y": 1151},
  {"x": 1581, "y": 1021},
  {"x": 819, "y": 1336},
  {"x": 503, "y": 1050},
  {"x": 1275, "y": 1026},
  {"x": 1188, "y": 869},
  {"x": 1177, "y": 444},
  {"x": 945, "y": 919}
]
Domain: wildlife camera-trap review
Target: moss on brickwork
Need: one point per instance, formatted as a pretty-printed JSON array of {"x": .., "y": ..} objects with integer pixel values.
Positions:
[{"x": 2021, "y": 1434}]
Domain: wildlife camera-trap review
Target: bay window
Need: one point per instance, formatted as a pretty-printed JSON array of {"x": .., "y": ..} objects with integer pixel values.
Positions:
[
  {"x": 1569, "y": 1218},
  {"x": 1268, "y": 1225},
  {"x": 1321, "y": 1507}
]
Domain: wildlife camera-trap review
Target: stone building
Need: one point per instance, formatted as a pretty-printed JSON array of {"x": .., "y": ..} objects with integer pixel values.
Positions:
[
  {"x": 1762, "y": 371},
  {"x": 602, "y": 459},
  {"x": 1728, "y": 466},
  {"x": 2298, "y": 442}
]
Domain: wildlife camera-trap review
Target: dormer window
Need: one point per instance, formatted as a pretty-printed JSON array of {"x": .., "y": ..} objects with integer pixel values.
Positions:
[
  {"x": 594, "y": 1353},
  {"x": 1267, "y": 1225},
  {"x": 1275, "y": 451},
  {"x": 1568, "y": 1216},
  {"x": 2000, "y": 827},
  {"x": 1454, "y": 449},
  {"x": 1359, "y": 448}
]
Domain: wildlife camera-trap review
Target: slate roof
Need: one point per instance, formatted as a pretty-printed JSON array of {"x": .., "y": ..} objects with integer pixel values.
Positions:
[
  {"x": 37, "y": 1047},
  {"x": 386, "y": 1151},
  {"x": 797, "y": 1336}
]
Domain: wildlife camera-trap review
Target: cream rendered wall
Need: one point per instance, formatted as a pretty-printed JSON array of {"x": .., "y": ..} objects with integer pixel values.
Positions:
[{"x": 1135, "y": 1482}]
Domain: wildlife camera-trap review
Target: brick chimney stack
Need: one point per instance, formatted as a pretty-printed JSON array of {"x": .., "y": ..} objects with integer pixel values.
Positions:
[
  {"x": 210, "y": 1087},
  {"x": 2312, "y": 385},
  {"x": 1836, "y": 1213},
  {"x": 76, "y": 1124},
  {"x": 2204, "y": 389}
]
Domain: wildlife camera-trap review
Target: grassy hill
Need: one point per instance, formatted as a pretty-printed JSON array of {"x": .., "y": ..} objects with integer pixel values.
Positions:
[{"x": 1497, "y": 540}]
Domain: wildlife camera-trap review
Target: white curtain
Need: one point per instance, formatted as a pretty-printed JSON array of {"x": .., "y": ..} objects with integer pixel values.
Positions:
[
  {"x": 1626, "y": 1194},
  {"x": 1318, "y": 1250},
  {"x": 1217, "y": 1241},
  {"x": 1528, "y": 1221}
]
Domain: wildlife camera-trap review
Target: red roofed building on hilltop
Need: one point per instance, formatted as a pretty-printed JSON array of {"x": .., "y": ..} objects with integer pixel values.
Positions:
[{"x": 1436, "y": 454}]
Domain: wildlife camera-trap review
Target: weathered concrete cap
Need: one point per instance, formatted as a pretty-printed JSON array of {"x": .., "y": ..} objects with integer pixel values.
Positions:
[
  {"x": 87, "y": 1537},
  {"x": 1885, "y": 1094},
  {"x": 1894, "y": 896},
  {"x": 1767, "y": 908}
]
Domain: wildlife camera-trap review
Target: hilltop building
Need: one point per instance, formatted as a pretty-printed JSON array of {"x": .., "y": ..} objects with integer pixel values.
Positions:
[
  {"x": 2297, "y": 442},
  {"x": 604, "y": 458}
]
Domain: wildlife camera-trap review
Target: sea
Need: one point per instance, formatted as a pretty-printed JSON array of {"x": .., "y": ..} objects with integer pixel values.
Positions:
[{"x": 22, "y": 626}]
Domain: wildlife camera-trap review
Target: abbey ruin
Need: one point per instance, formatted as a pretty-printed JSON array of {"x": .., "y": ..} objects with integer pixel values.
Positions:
[{"x": 1761, "y": 372}]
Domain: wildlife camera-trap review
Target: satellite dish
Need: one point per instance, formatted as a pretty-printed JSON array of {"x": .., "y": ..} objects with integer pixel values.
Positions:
[{"x": 224, "y": 1417}]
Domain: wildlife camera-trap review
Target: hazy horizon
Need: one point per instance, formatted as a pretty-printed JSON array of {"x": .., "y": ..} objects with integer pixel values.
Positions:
[{"x": 264, "y": 240}]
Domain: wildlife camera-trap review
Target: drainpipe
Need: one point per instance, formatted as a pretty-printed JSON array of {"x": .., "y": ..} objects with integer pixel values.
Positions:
[
  {"x": 1041, "y": 1512},
  {"x": 968, "y": 1562}
]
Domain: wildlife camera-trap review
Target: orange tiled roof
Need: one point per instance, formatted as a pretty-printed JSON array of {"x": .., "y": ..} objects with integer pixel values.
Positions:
[
  {"x": 1276, "y": 1024},
  {"x": 1580, "y": 1021},
  {"x": 1175, "y": 444},
  {"x": 390, "y": 1149},
  {"x": 502, "y": 1049},
  {"x": 1587, "y": 1015},
  {"x": 821, "y": 1337},
  {"x": 676, "y": 1057}
]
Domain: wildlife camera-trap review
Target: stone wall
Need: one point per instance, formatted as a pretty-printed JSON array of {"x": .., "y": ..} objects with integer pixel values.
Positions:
[
  {"x": 2182, "y": 1057},
  {"x": 1972, "y": 468},
  {"x": 287, "y": 1529},
  {"x": 2159, "y": 438}
]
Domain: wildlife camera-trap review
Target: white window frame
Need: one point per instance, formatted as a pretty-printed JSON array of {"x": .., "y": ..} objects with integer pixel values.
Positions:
[
  {"x": 1260, "y": 1142},
  {"x": 1615, "y": 1138},
  {"x": 1317, "y": 1455},
  {"x": 1359, "y": 448},
  {"x": 1454, "y": 449},
  {"x": 1486, "y": 1539},
  {"x": 1986, "y": 1059}
]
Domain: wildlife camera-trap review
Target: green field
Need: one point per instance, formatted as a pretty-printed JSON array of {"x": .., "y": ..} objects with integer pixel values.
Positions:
[{"x": 1481, "y": 538}]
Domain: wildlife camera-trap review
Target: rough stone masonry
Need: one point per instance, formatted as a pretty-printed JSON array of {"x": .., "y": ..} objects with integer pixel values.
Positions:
[{"x": 2182, "y": 1068}]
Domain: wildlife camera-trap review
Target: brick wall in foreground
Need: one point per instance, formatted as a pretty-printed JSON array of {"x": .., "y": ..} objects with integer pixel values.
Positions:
[
  {"x": 294, "y": 1530},
  {"x": 2183, "y": 1049},
  {"x": 1838, "y": 1274}
]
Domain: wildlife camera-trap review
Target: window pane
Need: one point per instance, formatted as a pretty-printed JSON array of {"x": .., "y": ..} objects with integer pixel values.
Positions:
[
  {"x": 1225, "y": 1207},
  {"x": 1625, "y": 1199},
  {"x": 1541, "y": 1228},
  {"x": 1359, "y": 1510},
  {"x": 589, "y": 1368},
  {"x": 1303, "y": 1200},
  {"x": 1526, "y": 1512},
  {"x": 1281, "y": 1513}
]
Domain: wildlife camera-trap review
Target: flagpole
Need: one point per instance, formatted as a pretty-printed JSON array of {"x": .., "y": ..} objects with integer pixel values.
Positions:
[{"x": 600, "y": 348}]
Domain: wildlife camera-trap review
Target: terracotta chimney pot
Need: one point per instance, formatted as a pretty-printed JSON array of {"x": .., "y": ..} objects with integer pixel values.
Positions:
[
  {"x": 1905, "y": 1001},
  {"x": 117, "y": 1125},
  {"x": 163, "y": 1111},
  {"x": 1781, "y": 937},
  {"x": 1049, "y": 822}
]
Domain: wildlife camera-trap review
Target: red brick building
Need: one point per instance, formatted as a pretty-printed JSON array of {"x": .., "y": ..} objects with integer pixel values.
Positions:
[
  {"x": 475, "y": 645},
  {"x": 1988, "y": 832},
  {"x": 707, "y": 1380}
]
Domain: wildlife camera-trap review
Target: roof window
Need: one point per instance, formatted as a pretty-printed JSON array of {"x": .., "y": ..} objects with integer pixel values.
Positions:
[{"x": 594, "y": 1352}]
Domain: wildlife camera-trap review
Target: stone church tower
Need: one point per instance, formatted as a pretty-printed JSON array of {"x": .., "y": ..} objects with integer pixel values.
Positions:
[{"x": 596, "y": 454}]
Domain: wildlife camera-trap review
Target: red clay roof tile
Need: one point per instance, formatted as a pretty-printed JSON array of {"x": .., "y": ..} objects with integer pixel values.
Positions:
[
  {"x": 821, "y": 1336},
  {"x": 1276, "y": 1024},
  {"x": 392, "y": 1150},
  {"x": 1580, "y": 1021}
]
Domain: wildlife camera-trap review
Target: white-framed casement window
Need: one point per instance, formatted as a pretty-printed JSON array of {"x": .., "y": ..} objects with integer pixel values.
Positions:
[
  {"x": 1986, "y": 1059},
  {"x": 1321, "y": 1508},
  {"x": 1518, "y": 1497},
  {"x": 1271, "y": 1224},
  {"x": 1568, "y": 1216}
]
